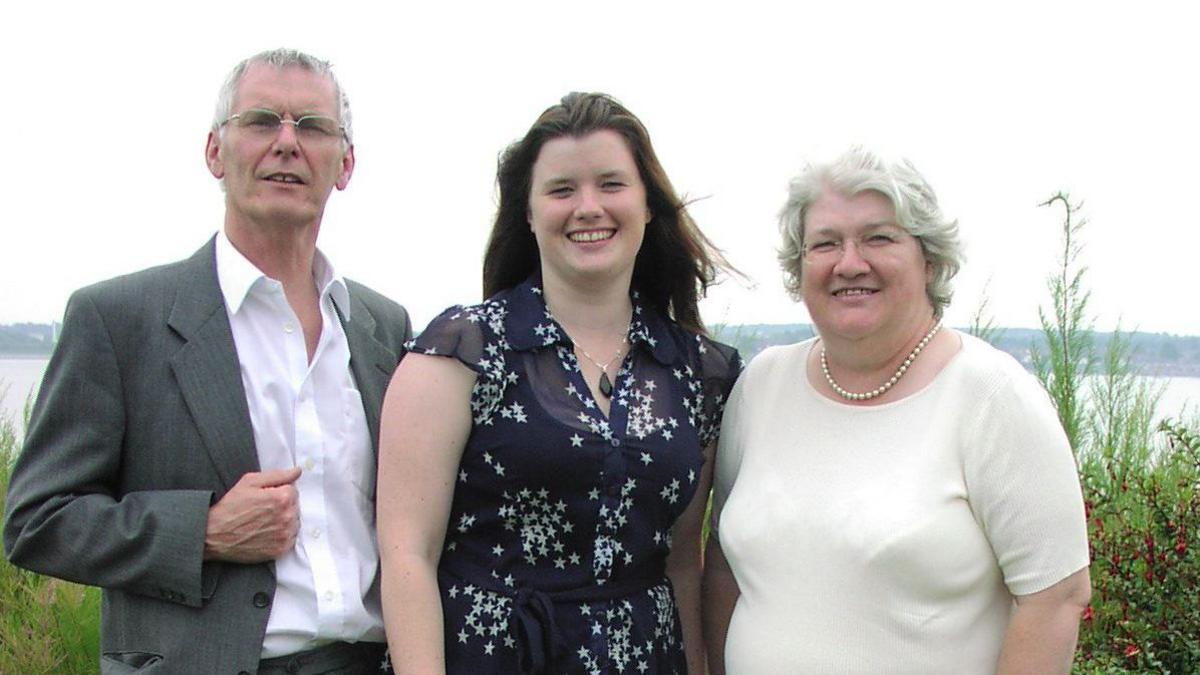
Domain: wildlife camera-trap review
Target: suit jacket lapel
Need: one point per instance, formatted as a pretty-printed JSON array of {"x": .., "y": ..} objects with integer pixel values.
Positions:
[
  {"x": 208, "y": 372},
  {"x": 370, "y": 361}
]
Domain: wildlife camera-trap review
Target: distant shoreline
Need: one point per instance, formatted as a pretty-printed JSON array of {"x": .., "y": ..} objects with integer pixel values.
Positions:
[{"x": 26, "y": 355}]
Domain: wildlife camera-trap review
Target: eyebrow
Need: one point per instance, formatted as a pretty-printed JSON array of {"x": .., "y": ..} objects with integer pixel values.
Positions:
[
  {"x": 564, "y": 180},
  {"x": 868, "y": 227},
  {"x": 556, "y": 181},
  {"x": 295, "y": 115}
]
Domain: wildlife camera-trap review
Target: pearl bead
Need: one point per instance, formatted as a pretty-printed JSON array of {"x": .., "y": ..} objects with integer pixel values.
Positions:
[{"x": 879, "y": 391}]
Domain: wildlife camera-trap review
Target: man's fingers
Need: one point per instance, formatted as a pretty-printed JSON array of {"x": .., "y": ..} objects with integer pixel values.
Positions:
[{"x": 272, "y": 477}]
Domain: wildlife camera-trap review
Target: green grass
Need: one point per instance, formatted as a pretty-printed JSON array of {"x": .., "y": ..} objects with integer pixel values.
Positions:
[{"x": 47, "y": 626}]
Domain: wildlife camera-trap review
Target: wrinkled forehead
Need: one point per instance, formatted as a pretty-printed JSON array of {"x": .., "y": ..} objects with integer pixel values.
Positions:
[{"x": 286, "y": 89}]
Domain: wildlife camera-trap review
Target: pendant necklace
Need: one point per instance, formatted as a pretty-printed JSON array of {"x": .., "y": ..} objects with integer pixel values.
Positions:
[
  {"x": 881, "y": 389},
  {"x": 606, "y": 386}
]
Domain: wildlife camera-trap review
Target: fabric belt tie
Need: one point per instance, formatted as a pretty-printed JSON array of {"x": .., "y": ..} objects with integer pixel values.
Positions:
[{"x": 532, "y": 621}]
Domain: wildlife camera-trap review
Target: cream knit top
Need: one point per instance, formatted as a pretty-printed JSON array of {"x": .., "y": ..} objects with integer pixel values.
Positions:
[{"x": 890, "y": 538}]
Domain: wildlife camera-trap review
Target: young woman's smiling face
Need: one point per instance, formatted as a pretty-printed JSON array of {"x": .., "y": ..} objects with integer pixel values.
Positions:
[{"x": 587, "y": 208}]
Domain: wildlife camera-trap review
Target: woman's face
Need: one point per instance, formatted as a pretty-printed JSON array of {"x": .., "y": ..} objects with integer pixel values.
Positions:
[
  {"x": 587, "y": 209},
  {"x": 864, "y": 275}
]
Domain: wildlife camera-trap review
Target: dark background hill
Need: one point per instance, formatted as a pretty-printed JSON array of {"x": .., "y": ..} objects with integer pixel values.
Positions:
[{"x": 1155, "y": 354}]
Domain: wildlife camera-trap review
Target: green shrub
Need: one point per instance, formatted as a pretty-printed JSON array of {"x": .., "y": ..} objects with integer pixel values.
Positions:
[{"x": 1144, "y": 530}]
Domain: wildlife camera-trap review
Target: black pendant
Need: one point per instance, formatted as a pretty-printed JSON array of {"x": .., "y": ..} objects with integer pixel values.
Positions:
[{"x": 605, "y": 385}]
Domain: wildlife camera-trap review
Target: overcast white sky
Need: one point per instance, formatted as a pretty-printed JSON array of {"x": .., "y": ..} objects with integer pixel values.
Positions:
[{"x": 1000, "y": 106}]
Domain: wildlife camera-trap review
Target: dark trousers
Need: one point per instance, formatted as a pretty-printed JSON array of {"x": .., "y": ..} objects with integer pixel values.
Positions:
[{"x": 339, "y": 658}]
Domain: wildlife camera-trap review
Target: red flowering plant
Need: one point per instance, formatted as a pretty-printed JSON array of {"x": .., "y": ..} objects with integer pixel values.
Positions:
[
  {"x": 1140, "y": 482},
  {"x": 1144, "y": 535}
]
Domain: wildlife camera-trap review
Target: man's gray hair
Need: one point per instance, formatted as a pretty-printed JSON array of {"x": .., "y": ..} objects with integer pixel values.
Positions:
[
  {"x": 282, "y": 58},
  {"x": 858, "y": 170}
]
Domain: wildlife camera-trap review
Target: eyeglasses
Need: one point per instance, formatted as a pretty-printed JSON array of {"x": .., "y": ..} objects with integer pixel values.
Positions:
[
  {"x": 830, "y": 249},
  {"x": 266, "y": 124}
]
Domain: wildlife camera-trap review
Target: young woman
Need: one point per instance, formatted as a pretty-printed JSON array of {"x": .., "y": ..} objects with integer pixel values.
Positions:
[{"x": 545, "y": 455}]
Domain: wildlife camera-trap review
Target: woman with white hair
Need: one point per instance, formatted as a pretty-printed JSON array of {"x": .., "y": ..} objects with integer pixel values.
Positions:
[{"x": 891, "y": 495}]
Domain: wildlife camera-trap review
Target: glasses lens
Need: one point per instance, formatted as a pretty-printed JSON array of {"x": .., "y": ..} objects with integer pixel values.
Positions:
[
  {"x": 261, "y": 120},
  {"x": 318, "y": 125}
]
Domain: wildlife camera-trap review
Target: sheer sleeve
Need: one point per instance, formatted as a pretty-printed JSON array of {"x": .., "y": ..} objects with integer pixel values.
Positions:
[
  {"x": 455, "y": 333},
  {"x": 720, "y": 366},
  {"x": 473, "y": 335}
]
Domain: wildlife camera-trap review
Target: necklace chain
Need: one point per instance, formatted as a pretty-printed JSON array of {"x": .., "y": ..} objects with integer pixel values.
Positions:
[
  {"x": 881, "y": 389},
  {"x": 604, "y": 367},
  {"x": 604, "y": 383}
]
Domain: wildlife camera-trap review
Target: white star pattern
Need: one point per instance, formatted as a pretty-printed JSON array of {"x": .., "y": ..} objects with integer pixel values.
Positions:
[{"x": 538, "y": 510}]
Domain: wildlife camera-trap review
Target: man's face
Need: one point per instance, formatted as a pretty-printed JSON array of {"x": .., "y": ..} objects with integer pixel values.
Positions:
[{"x": 284, "y": 176}]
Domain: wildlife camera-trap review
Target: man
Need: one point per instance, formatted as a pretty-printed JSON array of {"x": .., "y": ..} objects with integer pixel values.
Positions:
[{"x": 203, "y": 445}]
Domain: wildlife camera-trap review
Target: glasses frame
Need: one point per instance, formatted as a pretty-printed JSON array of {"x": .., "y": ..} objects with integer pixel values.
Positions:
[
  {"x": 860, "y": 245},
  {"x": 295, "y": 123}
]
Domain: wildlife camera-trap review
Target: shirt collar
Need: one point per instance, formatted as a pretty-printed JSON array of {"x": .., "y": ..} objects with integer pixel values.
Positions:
[
  {"x": 529, "y": 325},
  {"x": 238, "y": 277}
]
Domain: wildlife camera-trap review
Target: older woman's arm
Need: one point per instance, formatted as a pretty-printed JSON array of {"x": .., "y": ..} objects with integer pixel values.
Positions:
[
  {"x": 720, "y": 596},
  {"x": 1044, "y": 627},
  {"x": 425, "y": 424}
]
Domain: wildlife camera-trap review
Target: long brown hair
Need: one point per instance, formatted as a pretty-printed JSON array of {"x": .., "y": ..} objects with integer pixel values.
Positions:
[{"x": 676, "y": 262}]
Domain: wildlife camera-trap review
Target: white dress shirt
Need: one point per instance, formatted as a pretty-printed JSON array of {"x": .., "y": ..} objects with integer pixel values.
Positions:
[{"x": 309, "y": 415}]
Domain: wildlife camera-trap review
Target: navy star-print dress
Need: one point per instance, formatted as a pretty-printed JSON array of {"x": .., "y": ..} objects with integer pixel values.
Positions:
[{"x": 561, "y": 518}]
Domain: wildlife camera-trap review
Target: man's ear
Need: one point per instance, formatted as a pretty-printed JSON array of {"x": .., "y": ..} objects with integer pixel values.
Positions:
[
  {"x": 347, "y": 168},
  {"x": 212, "y": 155}
]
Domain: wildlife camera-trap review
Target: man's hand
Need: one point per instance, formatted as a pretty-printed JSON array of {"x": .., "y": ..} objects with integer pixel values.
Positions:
[{"x": 257, "y": 520}]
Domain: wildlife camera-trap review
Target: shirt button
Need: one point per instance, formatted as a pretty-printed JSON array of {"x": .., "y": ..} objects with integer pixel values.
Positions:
[
  {"x": 261, "y": 600},
  {"x": 288, "y": 328},
  {"x": 616, "y": 443},
  {"x": 315, "y": 532},
  {"x": 309, "y": 464},
  {"x": 329, "y": 596}
]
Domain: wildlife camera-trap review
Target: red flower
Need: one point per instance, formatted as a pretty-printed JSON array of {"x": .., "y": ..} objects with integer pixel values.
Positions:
[
  {"x": 1132, "y": 651},
  {"x": 1089, "y": 614}
]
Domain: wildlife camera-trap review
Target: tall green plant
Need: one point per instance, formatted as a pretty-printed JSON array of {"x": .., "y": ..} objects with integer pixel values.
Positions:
[
  {"x": 1120, "y": 410},
  {"x": 983, "y": 323},
  {"x": 1069, "y": 355},
  {"x": 1140, "y": 494}
]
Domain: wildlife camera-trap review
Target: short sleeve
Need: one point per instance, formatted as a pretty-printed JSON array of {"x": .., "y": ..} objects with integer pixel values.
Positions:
[
  {"x": 472, "y": 335},
  {"x": 457, "y": 333},
  {"x": 1023, "y": 486},
  {"x": 720, "y": 366}
]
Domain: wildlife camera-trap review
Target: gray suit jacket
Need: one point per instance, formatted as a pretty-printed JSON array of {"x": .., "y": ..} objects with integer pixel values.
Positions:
[{"x": 140, "y": 425}]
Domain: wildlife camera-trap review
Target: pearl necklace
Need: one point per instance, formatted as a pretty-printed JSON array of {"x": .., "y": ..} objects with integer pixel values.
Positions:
[{"x": 881, "y": 389}]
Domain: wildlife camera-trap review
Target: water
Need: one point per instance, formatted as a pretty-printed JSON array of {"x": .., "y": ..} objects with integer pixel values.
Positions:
[{"x": 18, "y": 377}]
